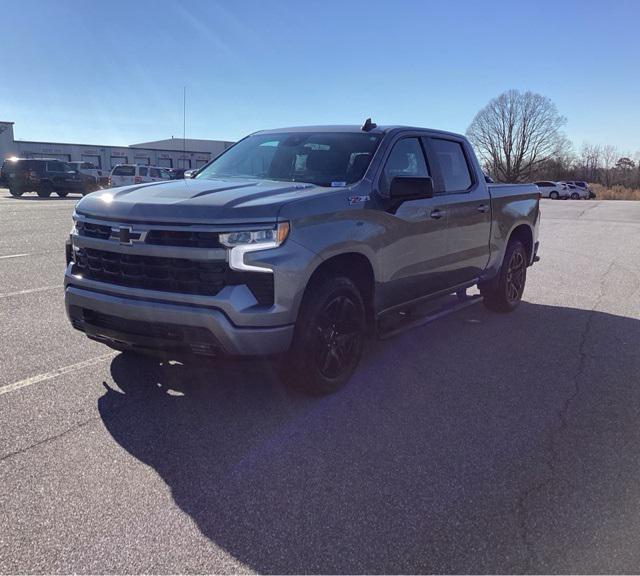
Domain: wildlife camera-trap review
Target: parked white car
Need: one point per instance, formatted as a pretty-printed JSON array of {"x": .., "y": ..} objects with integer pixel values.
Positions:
[
  {"x": 127, "y": 174},
  {"x": 577, "y": 192},
  {"x": 553, "y": 190}
]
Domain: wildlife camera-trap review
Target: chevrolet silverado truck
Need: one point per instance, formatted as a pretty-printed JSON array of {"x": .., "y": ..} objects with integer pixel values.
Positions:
[{"x": 297, "y": 242}]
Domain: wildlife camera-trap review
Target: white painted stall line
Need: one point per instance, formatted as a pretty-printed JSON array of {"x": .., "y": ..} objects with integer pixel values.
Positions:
[
  {"x": 54, "y": 373},
  {"x": 30, "y": 291},
  {"x": 13, "y": 256}
]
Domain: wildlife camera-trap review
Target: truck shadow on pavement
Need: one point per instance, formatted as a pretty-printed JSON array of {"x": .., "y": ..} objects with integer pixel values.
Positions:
[{"x": 479, "y": 443}]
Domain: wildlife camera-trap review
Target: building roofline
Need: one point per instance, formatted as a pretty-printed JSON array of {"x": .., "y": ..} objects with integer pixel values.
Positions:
[
  {"x": 6, "y": 122},
  {"x": 105, "y": 146}
]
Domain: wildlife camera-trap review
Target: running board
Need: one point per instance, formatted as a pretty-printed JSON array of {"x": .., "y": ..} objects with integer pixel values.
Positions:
[{"x": 408, "y": 321}]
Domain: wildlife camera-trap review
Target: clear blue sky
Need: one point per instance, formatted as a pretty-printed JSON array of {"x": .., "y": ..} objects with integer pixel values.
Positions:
[{"x": 112, "y": 72}]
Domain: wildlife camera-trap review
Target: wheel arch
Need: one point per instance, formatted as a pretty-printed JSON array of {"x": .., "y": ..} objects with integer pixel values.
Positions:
[
  {"x": 352, "y": 264},
  {"x": 524, "y": 234}
]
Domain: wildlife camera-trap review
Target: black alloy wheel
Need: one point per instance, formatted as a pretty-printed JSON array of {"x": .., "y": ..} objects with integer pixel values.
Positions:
[
  {"x": 504, "y": 292},
  {"x": 338, "y": 336},
  {"x": 516, "y": 276},
  {"x": 329, "y": 337}
]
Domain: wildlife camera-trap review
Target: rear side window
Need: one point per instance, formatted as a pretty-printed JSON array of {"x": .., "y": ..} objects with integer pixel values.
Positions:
[
  {"x": 453, "y": 165},
  {"x": 143, "y": 171},
  {"x": 544, "y": 184},
  {"x": 124, "y": 171},
  {"x": 57, "y": 166}
]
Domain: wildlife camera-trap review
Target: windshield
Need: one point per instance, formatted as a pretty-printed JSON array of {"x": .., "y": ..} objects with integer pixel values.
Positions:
[{"x": 321, "y": 158}]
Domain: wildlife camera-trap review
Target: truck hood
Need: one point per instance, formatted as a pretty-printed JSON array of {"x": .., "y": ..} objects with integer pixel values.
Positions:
[{"x": 206, "y": 201}]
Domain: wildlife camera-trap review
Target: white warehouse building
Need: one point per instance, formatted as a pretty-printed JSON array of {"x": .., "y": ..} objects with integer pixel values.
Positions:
[{"x": 170, "y": 153}]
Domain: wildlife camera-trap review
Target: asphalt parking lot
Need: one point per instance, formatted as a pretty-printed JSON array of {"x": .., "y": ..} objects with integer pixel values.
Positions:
[{"x": 477, "y": 443}]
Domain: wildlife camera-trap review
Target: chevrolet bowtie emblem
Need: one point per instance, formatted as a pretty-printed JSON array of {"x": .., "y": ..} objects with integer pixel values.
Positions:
[{"x": 125, "y": 235}]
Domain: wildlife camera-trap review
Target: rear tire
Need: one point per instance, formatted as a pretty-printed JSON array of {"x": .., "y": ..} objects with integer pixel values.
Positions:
[
  {"x": 554, "y": 196},
  {"x": 328, "y": 339},
  {"x": 62, "y": 193},
  {"x": 15, "y": 192},
  {"x": 504, "y": 293},
  {"x": 575, "y": 196}
]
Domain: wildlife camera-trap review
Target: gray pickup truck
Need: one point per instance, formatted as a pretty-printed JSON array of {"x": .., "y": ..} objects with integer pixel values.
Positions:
[{"x": 297, "y": 242}]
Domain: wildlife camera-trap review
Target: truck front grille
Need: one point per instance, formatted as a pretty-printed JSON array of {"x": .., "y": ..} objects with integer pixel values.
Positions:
[
  {"x": 181, "y": 275},
  {"x": 93, "y": 230},
  {"x": 184, "y": 238}
]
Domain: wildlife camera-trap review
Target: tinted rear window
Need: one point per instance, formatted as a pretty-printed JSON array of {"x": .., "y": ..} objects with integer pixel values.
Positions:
[
  {"x": 124, "y": 171},
  {"x": 453, "y": 165}
]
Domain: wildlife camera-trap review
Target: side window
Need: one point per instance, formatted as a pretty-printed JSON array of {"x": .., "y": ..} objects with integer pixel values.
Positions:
[
  {"x": 142, "y": 171},
  {"x": 406, "y": 159},
  {"x": 453, "y": 165},
  {"x": 154, "y": 173},
  {"x": 55, "y": 166}
]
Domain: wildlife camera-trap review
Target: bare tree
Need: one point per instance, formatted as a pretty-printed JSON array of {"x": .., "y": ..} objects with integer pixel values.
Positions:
[
  {"x": 589, "y": 162},
  {"x": 609, "y": 156},
  {"x": 515, "y": 132}
]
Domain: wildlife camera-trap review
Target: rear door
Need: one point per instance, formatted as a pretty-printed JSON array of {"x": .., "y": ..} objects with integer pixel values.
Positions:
[
  {"x": 413, "y": 258},
  {"x": 62, "y": 175},
  {"x": 467, "y": 203},
  {"x": 143, "y": 175}
]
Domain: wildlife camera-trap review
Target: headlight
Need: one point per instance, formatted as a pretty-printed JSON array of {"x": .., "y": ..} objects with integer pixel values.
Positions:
[
  {"x": 245, "y": 241},
  {"x": 274, "y": 236}
]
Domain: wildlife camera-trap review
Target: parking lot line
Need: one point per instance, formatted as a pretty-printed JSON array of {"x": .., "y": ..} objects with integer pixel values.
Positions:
[
  {"x": 30, "y": 291},
  {"x": 54, "y": 373},
  {"x": 13, "y": 256}
]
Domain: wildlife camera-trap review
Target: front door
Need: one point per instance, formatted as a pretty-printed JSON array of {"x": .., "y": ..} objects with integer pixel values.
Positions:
[{"x": 414, "y": 259}]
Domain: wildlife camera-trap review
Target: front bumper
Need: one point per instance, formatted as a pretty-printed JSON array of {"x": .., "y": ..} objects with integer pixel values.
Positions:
[{"x": 128, "y": 323}]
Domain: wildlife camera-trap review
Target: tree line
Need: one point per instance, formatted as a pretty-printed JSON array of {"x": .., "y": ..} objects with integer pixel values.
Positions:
[{"x": 518, "y": 138}]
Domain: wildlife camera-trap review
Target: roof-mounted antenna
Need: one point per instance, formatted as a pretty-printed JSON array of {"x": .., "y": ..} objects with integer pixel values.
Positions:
[{"x": 368, "y": 125}]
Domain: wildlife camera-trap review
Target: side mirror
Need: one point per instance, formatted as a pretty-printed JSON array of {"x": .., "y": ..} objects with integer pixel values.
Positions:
[{"x": 411, "y": 187}]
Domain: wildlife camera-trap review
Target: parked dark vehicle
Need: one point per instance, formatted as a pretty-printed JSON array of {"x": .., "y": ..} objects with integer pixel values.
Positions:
[
  {"x": 298, "y": 242},
  {"x": 44, "y": 176}
]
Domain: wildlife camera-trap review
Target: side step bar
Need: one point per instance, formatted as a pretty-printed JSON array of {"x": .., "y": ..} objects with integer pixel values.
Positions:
[{"x": 408, "y": 321}]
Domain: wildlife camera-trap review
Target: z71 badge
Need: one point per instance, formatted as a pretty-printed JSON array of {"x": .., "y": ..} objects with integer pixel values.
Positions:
[{"x": 357, "y": 199}]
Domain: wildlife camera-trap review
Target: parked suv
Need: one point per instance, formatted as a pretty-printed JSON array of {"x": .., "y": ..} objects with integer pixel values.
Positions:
[
  {"x": 126, "y": 174},
  {"x": 553, "y": 190},
  {"x": 44, "y": 176},
  {"x": 298, "y": 242}
]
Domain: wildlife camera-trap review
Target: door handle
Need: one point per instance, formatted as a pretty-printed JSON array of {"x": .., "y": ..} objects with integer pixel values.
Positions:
[
  {"x": 437, "y": 214},
  {"x": 483, "y": 208}
]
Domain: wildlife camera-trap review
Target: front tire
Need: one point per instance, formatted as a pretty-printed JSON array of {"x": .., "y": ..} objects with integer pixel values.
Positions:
[
  {"x": 504, "y": 293},
  {"x": 15, "y": 191},
  {"x": 575, "y": 196},
  {"x": 62, "y": 193},
  {"x": 329, "y": 337},
  {"x": 554, "y": 195},
  {"x": 45, "y": 190}
]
